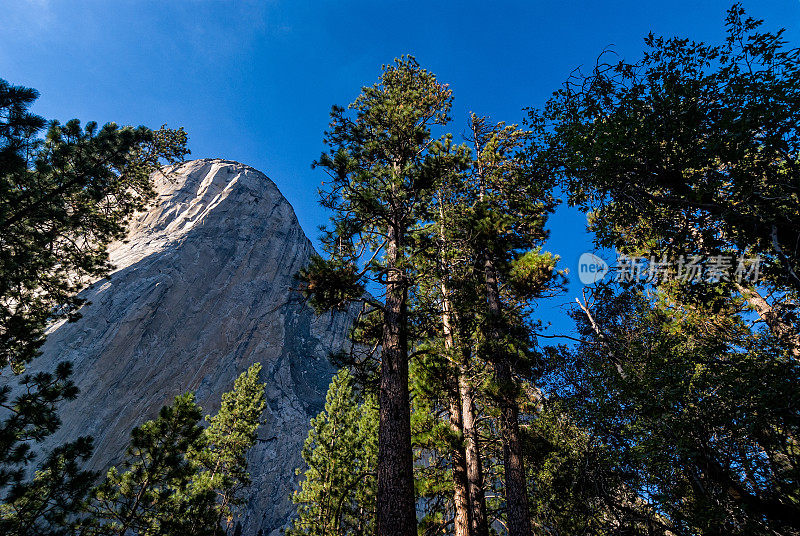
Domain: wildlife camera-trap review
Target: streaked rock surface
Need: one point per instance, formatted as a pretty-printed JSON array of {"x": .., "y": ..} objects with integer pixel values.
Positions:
[{"x": 201, "y": 290}]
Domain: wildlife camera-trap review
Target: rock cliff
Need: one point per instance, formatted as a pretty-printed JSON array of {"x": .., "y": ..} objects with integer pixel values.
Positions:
[{"x": 202, "y": 289}]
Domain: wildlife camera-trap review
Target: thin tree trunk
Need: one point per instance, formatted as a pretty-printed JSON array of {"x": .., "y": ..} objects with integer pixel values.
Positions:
[
  {"x": 396, "y": 513},
  {"x": 519, "y": 523},
  {"x": 462, "y": 523},
  {"x": 477, "y": 499},
  {"x": 515, "y": 487}
]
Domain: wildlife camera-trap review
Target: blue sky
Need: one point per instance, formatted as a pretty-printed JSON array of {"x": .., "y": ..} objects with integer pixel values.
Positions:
[{"x": 254, "y": 81}]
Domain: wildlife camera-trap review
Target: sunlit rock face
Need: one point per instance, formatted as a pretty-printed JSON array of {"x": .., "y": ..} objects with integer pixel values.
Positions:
[{"x": 203, "y": 288}]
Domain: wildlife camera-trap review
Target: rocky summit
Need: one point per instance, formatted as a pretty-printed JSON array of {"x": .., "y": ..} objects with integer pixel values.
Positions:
[{"x": 203, "y": 288}]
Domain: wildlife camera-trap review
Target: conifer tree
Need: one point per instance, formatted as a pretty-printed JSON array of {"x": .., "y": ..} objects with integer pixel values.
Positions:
[
  {"x": 457, "y": 297},
  {"x": 440, "y": 374},
  {"x": 63, "y": 197},
  {"x": 180, "y": 478},
  {"x": 145, "y": 496},
  {"x": 46, "y": 504},
  {"x": 479, "y": 278},
  {"x": 337, "y": 493},
  {"x": 447, "y": 272},
  {"x": 381, "y": 181},
  {"x": 221, "y": 454},
  {"x": 514, "y": 197}
]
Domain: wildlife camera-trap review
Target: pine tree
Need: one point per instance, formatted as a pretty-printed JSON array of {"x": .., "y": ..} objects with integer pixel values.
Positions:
[
  {"x": 514, "y": 197},
  {"x": 454, "y": 275},
  {"x": 46, "y": 504},
  {"x": 440, "y": 368},
  {"x": 145, "y": 495},
  {"x": 62, "y": 199},
  {"x": 381, "y": 180},
  {"x": 179, "y": 478},
  {"x": 480, "y": 274},
  {"x": 337, "y": 493},
  {"x": 221, "y": 454}
]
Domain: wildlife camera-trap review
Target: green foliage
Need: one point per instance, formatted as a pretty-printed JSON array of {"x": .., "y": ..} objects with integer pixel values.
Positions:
[
  {"x": 46, "y": 504},
  {"x": 221, "y": 455},
  {"x": 330, "y": 284},
  {"x": 533, "y": 273},
  {"x": 62, "y": 199},
  {"x": 337, "y": 493},
  {"x": 692, "y": 149},
  {"x": 573, "y": 485},
  {"x": 504, "y": 204},
  {"x": 179, "y": 478},
  {"x": 380, "y": 168},
  {"x": 32, "y": 416},
  {"x": 434, "y": 441},
  {"x": 689, "y": 421},
  {"x": 149, "y": 495}
]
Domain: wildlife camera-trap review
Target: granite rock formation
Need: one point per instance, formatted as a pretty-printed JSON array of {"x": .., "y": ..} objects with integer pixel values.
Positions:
[{"x": 202, "y": 289}]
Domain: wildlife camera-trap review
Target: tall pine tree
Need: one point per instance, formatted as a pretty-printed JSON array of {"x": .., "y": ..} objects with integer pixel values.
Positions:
[
  {"x": 221, "y": 455},
  {"x": 380, "y": 185},
  {"x": 63, "y": 197},
  {"x": 514, "y": 197}
]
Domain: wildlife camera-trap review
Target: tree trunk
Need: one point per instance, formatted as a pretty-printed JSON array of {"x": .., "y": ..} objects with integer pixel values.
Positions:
[
  {"x": 462, "y": 523},
  {"x": 784, "y": 331},
  {"x": 396, "y": 513},
  {"x": 477, "y": 500},
  {"x": 519, "y": 523}
]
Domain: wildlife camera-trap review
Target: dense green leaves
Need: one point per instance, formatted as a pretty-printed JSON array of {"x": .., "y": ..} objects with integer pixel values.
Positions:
[
  {"x": 331, "y": 285},
  {"x": 337, "y": 493},
  {"x": 47, "y": 503},
  {"x": 702, "y": 428},
  {"x": 62, "y": 199},
  {"x": 692, "y": 149},
  {"x": 179, "y": 478}
]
